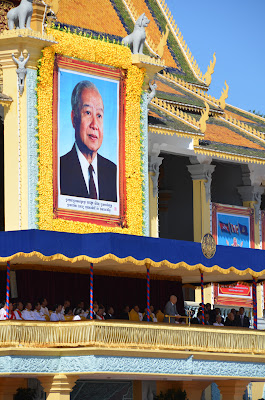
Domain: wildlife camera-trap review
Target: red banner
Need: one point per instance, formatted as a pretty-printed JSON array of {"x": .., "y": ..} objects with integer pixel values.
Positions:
[
  {"x": 233, "y": 296},
  {"x": 236, "y": 291}
]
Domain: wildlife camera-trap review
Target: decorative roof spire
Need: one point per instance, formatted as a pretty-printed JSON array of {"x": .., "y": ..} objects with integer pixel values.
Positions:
[
  {"x": 224, "y": 96},
  {"x": 204, "y": 118},
  {"x": 163, "y": 41},
  {"x": 208, "y": 75}
]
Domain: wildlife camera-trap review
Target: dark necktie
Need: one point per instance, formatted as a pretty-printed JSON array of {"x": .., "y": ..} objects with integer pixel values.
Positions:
[{"x": 92, "y": 186}]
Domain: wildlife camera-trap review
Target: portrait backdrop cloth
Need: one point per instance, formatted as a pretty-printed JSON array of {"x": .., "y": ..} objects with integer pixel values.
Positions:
[{"x": 96, "y": 245}]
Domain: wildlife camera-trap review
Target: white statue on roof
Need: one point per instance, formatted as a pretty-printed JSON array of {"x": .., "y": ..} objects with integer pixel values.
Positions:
[
  {"x": 20, "y": 16},
  {"x": 136, "y": 39}
]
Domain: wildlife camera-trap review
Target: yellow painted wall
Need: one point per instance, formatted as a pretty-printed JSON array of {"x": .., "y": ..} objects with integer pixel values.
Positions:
[
  {"x": 24, "y": 159},
  {"x": 11, "y": 151}
]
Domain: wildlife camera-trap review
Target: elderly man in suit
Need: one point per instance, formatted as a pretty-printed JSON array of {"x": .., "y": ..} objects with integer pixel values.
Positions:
[
  {"x": 84, "y": 172},
  {"x": 242, "y": 320},
  {"x": 171, "y": 310}
]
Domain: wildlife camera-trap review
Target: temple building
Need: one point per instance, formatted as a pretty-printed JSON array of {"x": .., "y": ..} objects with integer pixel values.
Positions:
[{"x": 122, "y": 183}]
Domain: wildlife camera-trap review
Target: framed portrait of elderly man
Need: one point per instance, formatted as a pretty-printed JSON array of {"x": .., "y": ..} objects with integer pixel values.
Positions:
[{"x": 88, "y": 143}]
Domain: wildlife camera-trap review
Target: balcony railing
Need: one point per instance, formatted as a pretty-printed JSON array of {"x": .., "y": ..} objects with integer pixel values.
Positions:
[{"x": 131, "y": 335}]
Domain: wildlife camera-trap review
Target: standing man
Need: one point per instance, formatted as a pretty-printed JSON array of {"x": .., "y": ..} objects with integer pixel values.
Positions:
[
  {"x": 241, "y": 319},
  {"x": 171, "y": 310},
  {"x": 83, "y": 172}
]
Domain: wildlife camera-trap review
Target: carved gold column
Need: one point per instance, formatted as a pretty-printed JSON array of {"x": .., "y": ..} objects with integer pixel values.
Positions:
[
  {"x": 201, "y": 176},
  {"x": 232, "y": 389},
  {"x": 58, "y": 387}
]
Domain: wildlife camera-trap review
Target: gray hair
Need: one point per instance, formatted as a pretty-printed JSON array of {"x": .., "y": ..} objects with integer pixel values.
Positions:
[{"x": 76, "y": 95}]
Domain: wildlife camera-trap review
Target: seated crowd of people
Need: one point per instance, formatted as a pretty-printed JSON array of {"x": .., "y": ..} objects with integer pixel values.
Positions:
[
  {"x": 214, "y": 317},
  {"x": 39, "y": 311}
]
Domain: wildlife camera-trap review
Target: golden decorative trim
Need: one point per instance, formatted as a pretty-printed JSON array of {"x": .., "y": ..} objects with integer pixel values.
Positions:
[
  {"x": 15, "y": 33},
  {"x": 204, "y": 118},
  {"x": 190, "y": 88},
  {"x": 175, "y": 112},
  {"x": 226, "y": 155},
  {"x": 167, "y": 131},
  {"x": 224, "y": 96},
  {"x": 130, "y": 259},
  {"x": 142, "y": 58},
  {"x": 129, "y": 335},
  {"x": 244, "y": 127},
  {"x": 207, "y": 77},
  {"x": 163, "y": 42},
  {"x": 247, "y": 112}
]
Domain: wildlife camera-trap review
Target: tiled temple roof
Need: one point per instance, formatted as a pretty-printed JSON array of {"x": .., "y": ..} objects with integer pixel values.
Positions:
[
  {"x": 182, "y": 87},
  {"x": 95, "y": 15},
  {"x": 116, "y": 17},
  {"x": 160, "y": 122}
]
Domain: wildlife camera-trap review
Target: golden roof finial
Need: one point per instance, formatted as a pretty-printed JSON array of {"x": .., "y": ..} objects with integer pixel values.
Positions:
[
  {"x": 162, "y": 43},
  {"x": 210, "y": 70},
  {"x": 204, "y": 118},
  {"x": 224, "y": 96}
]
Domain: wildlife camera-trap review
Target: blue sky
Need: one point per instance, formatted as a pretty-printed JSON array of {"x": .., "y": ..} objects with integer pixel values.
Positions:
[{"x": 235, "y": 30}]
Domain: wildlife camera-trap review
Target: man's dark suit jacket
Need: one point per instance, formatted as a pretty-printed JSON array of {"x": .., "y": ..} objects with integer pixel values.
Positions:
[
  {"x": 228, "y": 322},
  {"x": 72, "y": 182},
  {"x": 245, "y": 321},
  {"x": 196, "y": 321},
  {"x": 170, "y": 309}
]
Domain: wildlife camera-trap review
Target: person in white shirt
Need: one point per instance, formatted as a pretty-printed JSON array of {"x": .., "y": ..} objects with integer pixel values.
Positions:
[
  {"x": 81, "y": 305},
  {"x": 78, "y": 312},
  {"x": 218, "y": 321},
  {"x": 100, "y": 313},
  {"x": 56, "y": 314},
  {"x": 27, "y": 313},
  {"x": 66, "y": 305},
  {"x": 18, "y": 311},
  {"x": 44, "y": 309},
  {"x": 38, "y": 315},
  {"x": 3, "y": 315}
]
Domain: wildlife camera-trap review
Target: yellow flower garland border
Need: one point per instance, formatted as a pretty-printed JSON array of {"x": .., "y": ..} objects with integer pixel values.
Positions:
[{"x": 100, "y": 52}]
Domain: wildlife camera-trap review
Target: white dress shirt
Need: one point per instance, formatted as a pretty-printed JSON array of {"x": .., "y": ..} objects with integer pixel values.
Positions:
[
  {"x": 38, "y": 316},
  {"x": 3, "y": 315},
  {"x": 17, "y": 314},
  {"x": 85, "y": 165},
  {"x": 28, "y": 315},
  {"x": 44, "y": 310},
  {"x": 218, "y": 324},
  {"x": 56, "y": 317}
]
